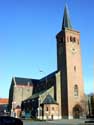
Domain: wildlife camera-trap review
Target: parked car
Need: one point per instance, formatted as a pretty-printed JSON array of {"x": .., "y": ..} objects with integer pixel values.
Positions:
[{"x": 7, "y": 120}]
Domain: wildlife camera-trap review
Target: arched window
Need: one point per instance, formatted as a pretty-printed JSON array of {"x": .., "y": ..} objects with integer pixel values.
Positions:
[
  {"x": 71, "y": 39},
  {"x": 75, "y": 68},
  {"x": 75, "y": 90},
  {"x": 74, "y": 39},
  {"x": 46, "y": 108}
]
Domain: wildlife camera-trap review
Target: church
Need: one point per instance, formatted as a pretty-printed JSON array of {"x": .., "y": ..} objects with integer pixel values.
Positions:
[{"x": 63, "y": 90}]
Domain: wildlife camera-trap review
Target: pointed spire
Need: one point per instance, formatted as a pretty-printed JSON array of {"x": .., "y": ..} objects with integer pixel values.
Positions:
[{"x": 66, "y": 19}]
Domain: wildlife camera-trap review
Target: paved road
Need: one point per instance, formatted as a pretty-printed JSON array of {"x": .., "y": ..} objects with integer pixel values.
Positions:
[{"x": 57, "y": 122}]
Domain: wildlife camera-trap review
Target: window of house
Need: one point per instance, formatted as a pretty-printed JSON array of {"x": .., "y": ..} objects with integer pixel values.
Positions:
[
  {"x": 46, "y": 108},
  {"x": 75, "y": 90},
  {"x": 71, "y": 39},
  {"x": 74, "y": 68},
  {"x": 52, "y": 108},
  {"x": 74, "y": 39}
]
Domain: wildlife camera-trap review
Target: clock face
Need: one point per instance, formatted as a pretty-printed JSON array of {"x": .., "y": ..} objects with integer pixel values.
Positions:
[{"x": 73, "y": 49}]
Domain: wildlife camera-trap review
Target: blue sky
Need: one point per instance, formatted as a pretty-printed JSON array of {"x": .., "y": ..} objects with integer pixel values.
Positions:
[{"x": 27, "y": 38}]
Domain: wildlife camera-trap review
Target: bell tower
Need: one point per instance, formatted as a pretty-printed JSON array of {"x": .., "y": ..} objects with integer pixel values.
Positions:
[{"x": 69, "y": 62}]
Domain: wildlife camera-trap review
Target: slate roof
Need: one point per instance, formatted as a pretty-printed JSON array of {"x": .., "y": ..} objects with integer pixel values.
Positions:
[
  {"x": 49, "y": 100},
  {"x": 36, "y": 95},
  {"x": 49, "y": 75},
  {"x": 66, "y": 19},
  {"x": 25, "y": 81}
]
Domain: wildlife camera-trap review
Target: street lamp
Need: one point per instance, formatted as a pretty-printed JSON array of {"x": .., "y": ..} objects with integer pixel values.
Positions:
[
  {"x": 46, "y": 80},
  {"x": 13, "y": 107},
  {"x": 39, "y": 107}
]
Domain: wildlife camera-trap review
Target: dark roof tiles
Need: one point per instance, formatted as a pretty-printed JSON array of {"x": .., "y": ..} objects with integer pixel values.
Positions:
[
  {"x": 49, "y": 100},
  {"x": 25, "y": 81},
  {"x": 66, "y": 19}
]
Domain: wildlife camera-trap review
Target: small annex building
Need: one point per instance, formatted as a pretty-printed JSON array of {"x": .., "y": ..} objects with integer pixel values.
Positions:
[{"x": 50, "y": 108}]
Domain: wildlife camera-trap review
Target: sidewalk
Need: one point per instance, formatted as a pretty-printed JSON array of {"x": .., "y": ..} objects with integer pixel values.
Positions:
[{"x": 68, "y": 122}]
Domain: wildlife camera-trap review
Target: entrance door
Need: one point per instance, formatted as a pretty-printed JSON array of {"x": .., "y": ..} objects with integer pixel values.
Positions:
[
  {"x": 52, "y": 117},
  {"x": 77, "y": 110}
]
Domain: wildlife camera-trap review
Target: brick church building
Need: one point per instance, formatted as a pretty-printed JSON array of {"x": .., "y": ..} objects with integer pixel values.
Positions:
[{"x": 65, "y": 85}]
